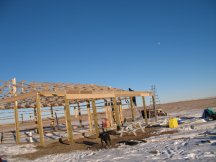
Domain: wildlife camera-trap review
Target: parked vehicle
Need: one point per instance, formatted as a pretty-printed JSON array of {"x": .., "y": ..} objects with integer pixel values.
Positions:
[{"x": 150, "y": 113}]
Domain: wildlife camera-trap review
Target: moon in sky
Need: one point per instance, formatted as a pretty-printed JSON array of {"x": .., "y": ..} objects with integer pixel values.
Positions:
[{"x": 158, "y": 43}]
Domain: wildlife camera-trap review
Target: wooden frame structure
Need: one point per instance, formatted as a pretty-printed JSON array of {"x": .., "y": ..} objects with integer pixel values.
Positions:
[{"x": 37, "y": 95}]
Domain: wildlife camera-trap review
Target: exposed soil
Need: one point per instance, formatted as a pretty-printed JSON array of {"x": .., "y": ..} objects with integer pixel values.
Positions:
[{"x": 92, "y": 143}]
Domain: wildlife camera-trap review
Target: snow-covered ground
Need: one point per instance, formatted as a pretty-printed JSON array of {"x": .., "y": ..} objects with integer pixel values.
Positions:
[{"x": 197, "y": 143}]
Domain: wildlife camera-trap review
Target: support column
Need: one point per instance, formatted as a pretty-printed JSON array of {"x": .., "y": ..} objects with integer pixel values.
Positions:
[
  {"x": 80, "y": 115},
  {"x": 106, "y": 109},
  {"x": 145, "y": 110},
  {"x": 89, "y": 116},
  {"x": 52, "y": 118},
  {"x": 116, "y": 113},
  {"x": 112, "y": 111},
  {"x": 35, "y": 119},
  {"x": 95, "y": 118},
  {"x": 110, "y": 116},
  {"x": 39, "y": 118},
  {"x": 121, "y": 114},
  {"x": 132, "y": 108},
  {"x": 68, "y": 122},
  {"x": 51, "y": 112},
  {"x": 154, "y": 107},
  {"x": 107, "y": 113},
  {"x": 120, "y": 110},
  {"x": 16, "y": 113}
]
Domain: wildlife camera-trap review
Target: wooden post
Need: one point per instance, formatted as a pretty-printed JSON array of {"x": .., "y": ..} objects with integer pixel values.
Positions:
[
  {"x": 68, "y": 122},
  {"x": 132, "y": 108},
  {"x": 113, "y": 116},
  {"x": 145, "y": 110},
  {"x": 154, "y": 107},
  {"x": 106, "y": 109},
  {"x": 110, "y": 116},
  {"x": 16, "y": 113},
  {"x": 52, "y": 118},
  {"x": 22, "y": 117},
  {"x": 80, "y": 115},
  {"x": 35, "y": 119},
  {"x": 109, "y": 113},
  {"x": 95, "y": 118},
  {"x": 116, "y": 114},
  {"x": 89, "y": 116},
  {"x": 39, "y": 118},
  {"x": 121, "y": 114},
  {"x": 120, "y": 110},
  {"x": 51, "y": 112},
  {"x": 75, "y": 112}
]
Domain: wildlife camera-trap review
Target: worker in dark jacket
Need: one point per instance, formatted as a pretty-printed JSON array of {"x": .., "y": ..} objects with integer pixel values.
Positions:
[{"x": 133, "y": 98}]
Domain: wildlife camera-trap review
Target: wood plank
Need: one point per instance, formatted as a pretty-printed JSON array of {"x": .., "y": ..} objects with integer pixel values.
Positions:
[
  {"x": 89, "y": 96},
  {"x": 95, "y": 118},
  {"x": 39, "y": 118},
  {"x": 52, "y": 93},
  {"x": 130, "y": 94},
  {"x": 68, "y": 122},
  {"x": 16, "y": 113},
  {"x": 132, "y": 108},
  {"x": 18, "y": 97},
  {"x": 145, "y": 110},
  {"x": 89, "y": 116},
  {"x": 117, "y": 117}
]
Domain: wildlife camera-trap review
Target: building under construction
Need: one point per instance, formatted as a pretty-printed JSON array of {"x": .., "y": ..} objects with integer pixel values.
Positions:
[{"x": 39, "y": 97}]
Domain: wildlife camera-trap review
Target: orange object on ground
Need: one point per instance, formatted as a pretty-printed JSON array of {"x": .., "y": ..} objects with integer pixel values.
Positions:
[{"x": 106, "y": 123}]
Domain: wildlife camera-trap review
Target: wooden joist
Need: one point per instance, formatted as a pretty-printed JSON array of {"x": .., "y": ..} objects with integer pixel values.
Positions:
[{"x": 18, "y": 97}]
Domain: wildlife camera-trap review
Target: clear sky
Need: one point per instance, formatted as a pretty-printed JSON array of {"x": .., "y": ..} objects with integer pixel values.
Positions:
[{"x": 135, "y": 44}]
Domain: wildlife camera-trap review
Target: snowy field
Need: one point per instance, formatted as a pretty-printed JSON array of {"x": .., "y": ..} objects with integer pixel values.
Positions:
[{"x": 197, "y": 143}]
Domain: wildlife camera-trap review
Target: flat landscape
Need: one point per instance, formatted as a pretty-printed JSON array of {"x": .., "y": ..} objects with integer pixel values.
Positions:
[{"x": 156, "y": 143}]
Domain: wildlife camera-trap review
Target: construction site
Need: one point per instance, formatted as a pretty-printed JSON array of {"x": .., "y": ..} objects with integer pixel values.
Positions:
[{"x": 42, "y": 113}]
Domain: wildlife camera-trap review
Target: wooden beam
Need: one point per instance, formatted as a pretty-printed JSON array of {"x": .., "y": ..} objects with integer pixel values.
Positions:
[
  {"x": 132, "y": 108},
  {"x": 18, "y": 97},
  {"x": 95, "y": 118},
  {"x": 132, "y": 93},
  {"x": 39, "y": 118},
  {"x": 154, "y": 107},
  {"x": 53, "y": 93},
  {"x": 89, "y": 96},
  {"x": 68, "y": 122},
  {"x": 16, "y": 113},
  {"x": 89, "y": 116},
  {"x": 146, "y": 94},
  {"x": 117, "y": 117},
  {"x": 145, "y": 110}
]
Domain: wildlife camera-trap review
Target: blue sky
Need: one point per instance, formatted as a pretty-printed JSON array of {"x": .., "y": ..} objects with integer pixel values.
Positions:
[{"x": 171, "y": 44}]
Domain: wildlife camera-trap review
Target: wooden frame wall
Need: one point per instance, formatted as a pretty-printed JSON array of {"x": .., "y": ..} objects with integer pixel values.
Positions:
[{"x": 72, "y": 97}]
